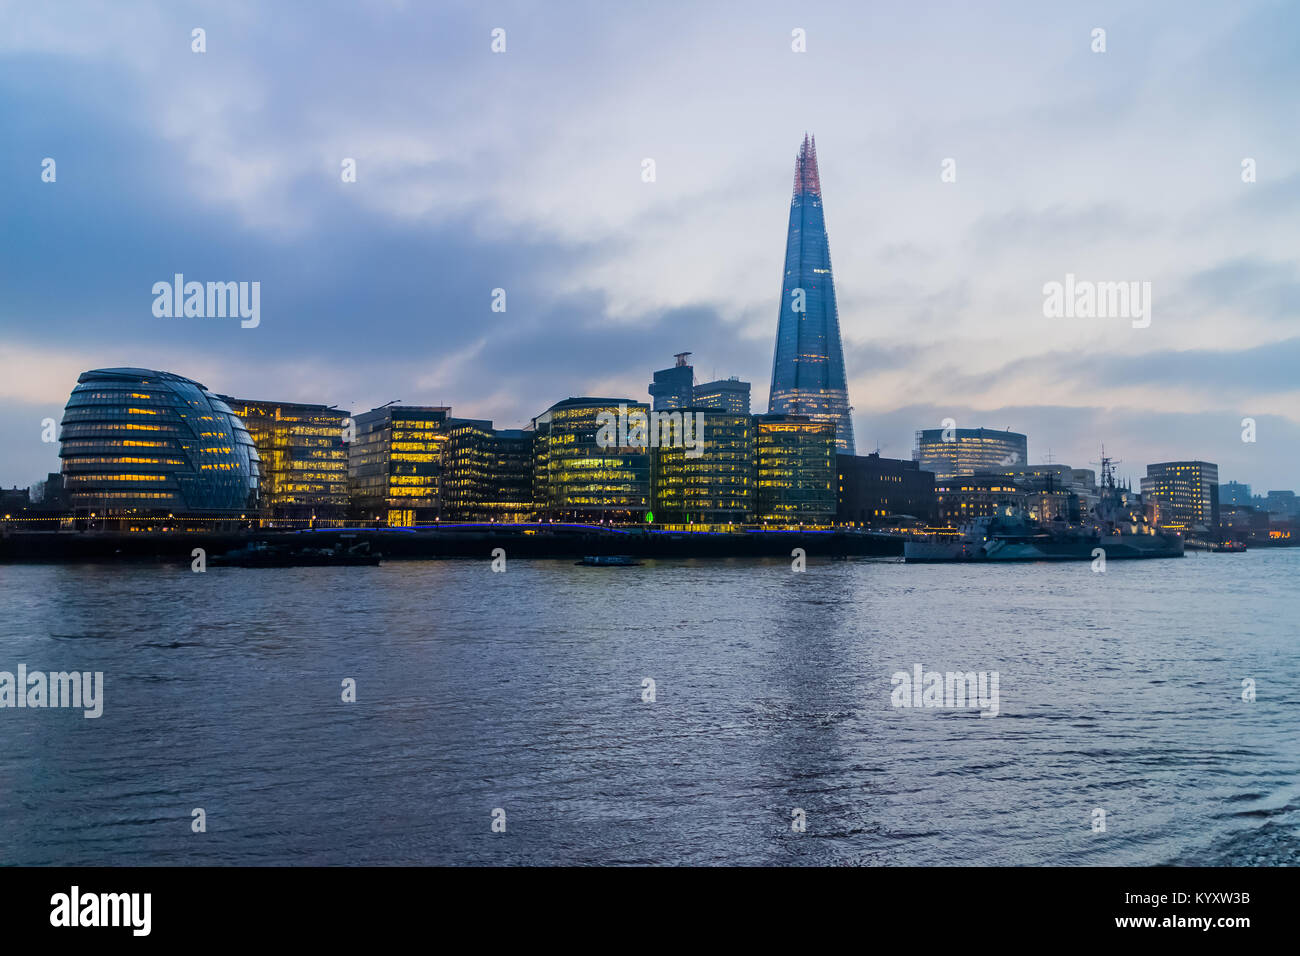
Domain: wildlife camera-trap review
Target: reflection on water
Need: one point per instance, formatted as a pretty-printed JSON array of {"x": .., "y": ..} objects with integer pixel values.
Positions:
[{"x": 523, "y": 691}]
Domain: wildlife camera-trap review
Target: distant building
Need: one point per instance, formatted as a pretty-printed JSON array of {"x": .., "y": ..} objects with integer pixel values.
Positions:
[
  {"x": 1054, "y": 490},
  {"x": 487, "y": 472},
  {"x": 969, "y": 451},
  {"x": 304, "y": 459},
  {"x": 1046, "y": 502},
  {"x": 1182, "y": 494},
  {"x": 1243, "y": 523},
  {"x": 1282, "y": 503},
  {"x": 965, "y": 497},
  {"x": 872, "y": 491},
  {"x": 574, "y": 478},
  {"x": 138, "y": 444},
  {"x": 730, "y": 395},
  {"x": 716, "y": 487},
  {"x": 14, "y": 500},
  {"x": 794, "y": 470},
  {"x": 1234, "y": 493},
  {"x": 395, "y": 464},
  {"x": 673, "y": 387},
  {"x": 49, "y": 495}
]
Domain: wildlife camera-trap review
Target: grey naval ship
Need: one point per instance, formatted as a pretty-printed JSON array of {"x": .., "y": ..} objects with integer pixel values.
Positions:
[{"x": 1117, "y": 526}]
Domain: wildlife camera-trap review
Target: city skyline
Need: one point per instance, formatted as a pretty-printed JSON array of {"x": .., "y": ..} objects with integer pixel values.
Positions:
[{"x": 170, "y": 161}]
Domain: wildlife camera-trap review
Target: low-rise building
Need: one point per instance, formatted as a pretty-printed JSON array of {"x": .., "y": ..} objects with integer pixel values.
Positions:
[
  {"x": 964, "y": 497},
  {"x": 874, "y": 492}
]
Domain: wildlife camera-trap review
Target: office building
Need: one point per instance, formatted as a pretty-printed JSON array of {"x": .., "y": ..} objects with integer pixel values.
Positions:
[
  {"x": 395, "y": 464},
  {"x": 1234, "y": 493},
  {"x": 673, "y": 387},
  {"x": 711, "y": 485},
  {"x": 882, "y": 492},
  {"x": 1282, "y": 503},
  {"x": 965, "y": 497},
  {"x": 949, "y": 452},
  {"x": 304, "y": 461},
  {"x": 1183, "y": 495},
  {"x": 794, "y": 470},
  {"x": 138, "y": 444},
  {"x": 575, "y": 478},
  {"x": 487, "y": 472},
  {"x": 728, "y": 395}
]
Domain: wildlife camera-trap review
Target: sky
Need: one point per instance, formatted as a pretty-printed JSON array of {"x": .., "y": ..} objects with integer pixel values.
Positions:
[{"x": 522, "y": 170}]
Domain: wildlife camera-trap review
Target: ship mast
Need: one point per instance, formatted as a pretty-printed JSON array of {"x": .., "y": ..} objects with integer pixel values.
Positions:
[{"x": 1107, "y": 469}]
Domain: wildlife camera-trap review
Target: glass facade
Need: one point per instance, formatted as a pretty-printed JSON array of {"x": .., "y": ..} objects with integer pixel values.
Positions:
[
  {"x": 136, "y": 442},
  {"x": 717, "y": 486},
  {"x": 794, "y": 470},
  {"x": 487, "y": 472},
  {"x": 728, "y": 395},
  {"x": 577, "y": 480},
  {"x": 969, "y": 451},
  {"x": 304, "y": 460},
  {"x": 808, "y": 365},
  {"x": 395, "y": 464}
]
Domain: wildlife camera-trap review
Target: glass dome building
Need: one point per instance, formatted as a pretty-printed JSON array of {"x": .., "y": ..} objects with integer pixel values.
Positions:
[{"x": 135, "y": 441}]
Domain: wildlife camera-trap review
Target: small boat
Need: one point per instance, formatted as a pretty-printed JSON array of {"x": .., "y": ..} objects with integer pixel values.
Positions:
[
  {"x": 609, "y": 561},
  {"x": 1215, "y": 547}
]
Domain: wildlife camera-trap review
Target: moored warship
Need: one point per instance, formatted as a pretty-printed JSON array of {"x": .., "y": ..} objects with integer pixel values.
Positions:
[{"x": 1117, "y": 526}]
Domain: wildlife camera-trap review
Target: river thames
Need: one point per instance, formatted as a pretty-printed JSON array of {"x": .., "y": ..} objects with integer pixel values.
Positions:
[{"x": 524, "y": 692}]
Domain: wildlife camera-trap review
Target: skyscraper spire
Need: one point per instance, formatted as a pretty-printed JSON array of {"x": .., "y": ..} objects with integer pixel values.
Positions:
[
  {"x": 806, "y": 178},
  {"x": 808, "y": 364}
]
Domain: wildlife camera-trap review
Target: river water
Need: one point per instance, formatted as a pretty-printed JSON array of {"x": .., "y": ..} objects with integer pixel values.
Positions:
[{"x": 522, "y": 692}]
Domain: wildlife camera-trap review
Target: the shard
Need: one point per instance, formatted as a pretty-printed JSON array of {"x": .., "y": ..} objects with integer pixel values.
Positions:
[{"x": 808, "y": 367}]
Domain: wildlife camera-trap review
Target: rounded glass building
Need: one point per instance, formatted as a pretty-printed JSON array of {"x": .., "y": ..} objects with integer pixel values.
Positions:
[{"x": 139, "y": 442}]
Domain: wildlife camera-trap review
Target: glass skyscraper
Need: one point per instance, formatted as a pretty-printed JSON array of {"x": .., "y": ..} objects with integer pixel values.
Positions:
[{"x": 808, "y": 367}]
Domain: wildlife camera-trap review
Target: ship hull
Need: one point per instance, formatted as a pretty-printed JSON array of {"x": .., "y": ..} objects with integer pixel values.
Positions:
[{"x": 1116, "y": 547}]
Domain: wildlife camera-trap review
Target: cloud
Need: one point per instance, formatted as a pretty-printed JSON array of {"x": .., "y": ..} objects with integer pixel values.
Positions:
[{"x": 522, "y": 171}]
